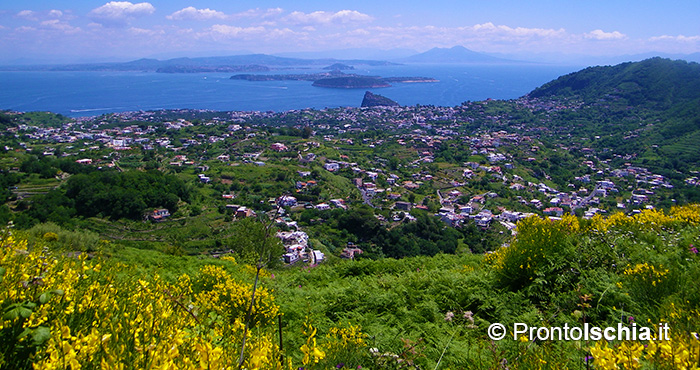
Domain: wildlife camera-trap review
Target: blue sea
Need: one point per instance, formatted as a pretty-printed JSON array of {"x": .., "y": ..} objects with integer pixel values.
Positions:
[{"x": 93, "y": 93}]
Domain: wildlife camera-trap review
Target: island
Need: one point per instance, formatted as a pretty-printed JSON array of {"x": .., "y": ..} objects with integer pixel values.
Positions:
[
  {"x": 290, "y": 77},
  {"x": 351, "y": 82},
  {"x": 336, "y": 79}
]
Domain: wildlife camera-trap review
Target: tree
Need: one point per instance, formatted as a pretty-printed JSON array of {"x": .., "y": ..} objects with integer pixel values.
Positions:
[{"x": 306, "y": 132}]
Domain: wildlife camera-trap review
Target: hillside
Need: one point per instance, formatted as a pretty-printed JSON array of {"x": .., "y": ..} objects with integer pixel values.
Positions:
[
  {"x": 364, "y": 314},
  {"x": 647, "y": 110},
  {"x": 656, "y": 82}
]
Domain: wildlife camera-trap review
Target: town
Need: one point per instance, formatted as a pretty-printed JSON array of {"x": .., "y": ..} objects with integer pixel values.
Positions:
[{"x": 481, "y": 164}]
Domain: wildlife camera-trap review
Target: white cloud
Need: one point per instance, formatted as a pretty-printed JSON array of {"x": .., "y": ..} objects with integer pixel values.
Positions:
[
  {"x": 678, "y": 38},
  {"x": 321, "y": 17},
  {"x": 602, "y": 35},
  {"x": 517, "y": 32},
  {"x": 55, "y": 13},
  {"x": 55, "y": 24},
  {"x": 235, "y": 31},
  {"x": 259, "y": 13},
  {"x": 28, "y": 14},
  {"x": 25, "y": 29},
  {"x": 486, "y": 37},
  {"x": 359, "y": 32},
  {"x": 120, "y": 12},
  {"x": 192, "y": 13},
  {"x": 145, "y": 32}
]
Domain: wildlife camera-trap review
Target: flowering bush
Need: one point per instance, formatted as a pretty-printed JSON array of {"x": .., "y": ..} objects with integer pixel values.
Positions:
[
  {"x": 538, "y": 254},
  {"x": 64, "y": 312}
]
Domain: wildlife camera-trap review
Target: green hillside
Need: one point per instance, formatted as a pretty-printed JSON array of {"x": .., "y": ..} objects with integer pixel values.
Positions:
[
  {"x": 649, "y": 109},
  {"x": 657, "y": 83}
]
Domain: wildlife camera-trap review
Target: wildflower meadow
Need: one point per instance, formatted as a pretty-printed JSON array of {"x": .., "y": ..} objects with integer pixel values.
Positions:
[{"x": 119, "y": 308}]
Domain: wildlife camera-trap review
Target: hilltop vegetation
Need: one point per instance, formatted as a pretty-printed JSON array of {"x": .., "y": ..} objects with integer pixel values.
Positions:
[
  {"x": 656, "y": 83},
  {"x": 649, "y": 109}
]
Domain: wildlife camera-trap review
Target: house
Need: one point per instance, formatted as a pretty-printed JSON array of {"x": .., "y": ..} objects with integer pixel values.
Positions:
[
  {"x": 466, "y": 210},
  {"x": 290, "y": 257},
  {"x": 554, "y": 211},
  {"x": 323, "y": 207},
  {"x": 350, "y": 251},
  {"x": 84, "y": 161},
  {"x": 287, "y": 201},
  {"x": 159, "y": 214},
  {"x": 204, "y": 179},
  {"x": 278, "y": 147},
  {"x": 478, "y": 199},
  {"x": 404, "y": 206},
  {"x": 410, "y": 185},
  {"x": 308, "y": 158},
  {"x": 293, "y": 237},
  {"x": 244, "y": 212},
  {"x": 510, "y": 216},
  {"x": 483, "y": 222},
  {"x": 339, "y": 203},
  {"x": 318, "y": 256},
  {"x": 224, "y": 158},
  {"x": 331, "y": 166},
  {"x": 451, "y": 219}
]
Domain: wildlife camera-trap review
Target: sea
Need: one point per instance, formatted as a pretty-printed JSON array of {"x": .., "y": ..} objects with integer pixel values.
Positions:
[{"x": 78, "y": 94}]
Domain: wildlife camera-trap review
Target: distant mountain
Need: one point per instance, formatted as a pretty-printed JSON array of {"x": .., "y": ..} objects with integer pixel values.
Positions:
[
  {"x": 201, "y": 64},
  {"x": 188, "y": 63},
  {"x": 457, "y": 54}
]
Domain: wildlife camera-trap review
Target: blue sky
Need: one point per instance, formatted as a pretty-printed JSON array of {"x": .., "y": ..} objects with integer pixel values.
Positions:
[{"x": 93, "y": 30}]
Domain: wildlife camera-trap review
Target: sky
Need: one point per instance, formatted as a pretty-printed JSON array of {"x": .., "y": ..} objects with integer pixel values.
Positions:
[{"x": 86, "y": 30}]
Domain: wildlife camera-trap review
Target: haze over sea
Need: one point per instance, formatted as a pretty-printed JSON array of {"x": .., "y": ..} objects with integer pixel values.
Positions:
[{"x": 94, "y": 93}]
